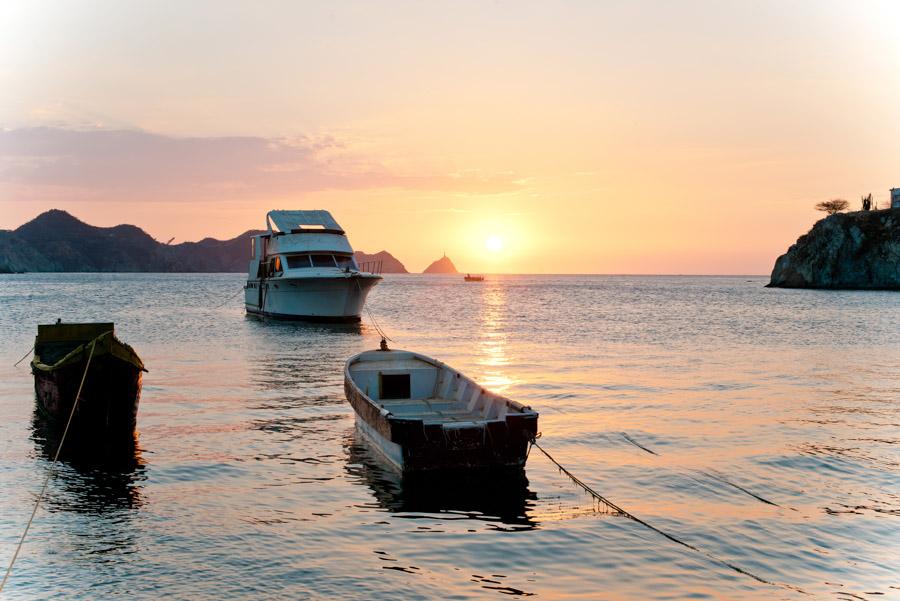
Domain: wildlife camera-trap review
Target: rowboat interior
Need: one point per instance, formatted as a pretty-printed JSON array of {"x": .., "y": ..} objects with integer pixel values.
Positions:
[
  {"x": 56, "y": 341},
  {"x": 410, "y": 386}
]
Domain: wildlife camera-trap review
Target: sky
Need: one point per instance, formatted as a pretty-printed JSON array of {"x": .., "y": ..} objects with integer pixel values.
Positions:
[{"x": 587, "y": 137}]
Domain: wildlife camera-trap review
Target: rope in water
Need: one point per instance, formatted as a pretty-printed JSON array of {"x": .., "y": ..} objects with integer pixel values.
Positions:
[
  {"x": 49, "y": 471},
  {"x": 228, "y": 300},
  {"x": 634, "y": 518},
  {"x": 16, "y": 364}
]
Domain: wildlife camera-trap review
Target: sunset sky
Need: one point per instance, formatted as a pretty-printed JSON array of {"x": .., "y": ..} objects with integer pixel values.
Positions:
[{"x": 589, "y": 137}]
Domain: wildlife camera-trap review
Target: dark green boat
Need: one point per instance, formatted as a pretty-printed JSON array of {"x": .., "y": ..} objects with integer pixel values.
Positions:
[{"x": 112, "y": 387}]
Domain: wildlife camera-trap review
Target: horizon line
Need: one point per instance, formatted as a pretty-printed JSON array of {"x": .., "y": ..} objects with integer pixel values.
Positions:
[{"x": 573, "y": 274}]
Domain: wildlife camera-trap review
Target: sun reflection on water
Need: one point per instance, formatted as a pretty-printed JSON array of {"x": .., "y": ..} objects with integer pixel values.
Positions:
[{"x": 493, "y": 343}]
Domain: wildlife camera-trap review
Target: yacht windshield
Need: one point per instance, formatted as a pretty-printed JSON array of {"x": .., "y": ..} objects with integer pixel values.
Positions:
[
  {"x": 298, "y": 261},
  {"x": 345, "y": 262},
  {"x": 322, "y": 260}
]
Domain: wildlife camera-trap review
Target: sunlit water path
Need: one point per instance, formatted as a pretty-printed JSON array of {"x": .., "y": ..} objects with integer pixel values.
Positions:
[{"x": 760, "y": 426}]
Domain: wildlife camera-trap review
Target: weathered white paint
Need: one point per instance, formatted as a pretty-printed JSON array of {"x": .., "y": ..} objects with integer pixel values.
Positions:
[{"x": 389, "y": 450}]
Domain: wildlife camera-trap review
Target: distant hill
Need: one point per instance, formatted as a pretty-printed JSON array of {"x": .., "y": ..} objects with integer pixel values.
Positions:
[
  {"x": 57, "y": 241},
  {"x": 389, "y": 263},
  {"x": 442, "y": 265}
]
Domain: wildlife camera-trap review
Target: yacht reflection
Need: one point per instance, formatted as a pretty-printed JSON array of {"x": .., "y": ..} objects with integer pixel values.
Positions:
[
  {"x": 297, "y": 385},
  {"x": 491, "y": 497},
  {"x": 299, "y": 356},
  {"x": 314, "y": 327},
  {"x": 95, "y": 476}
]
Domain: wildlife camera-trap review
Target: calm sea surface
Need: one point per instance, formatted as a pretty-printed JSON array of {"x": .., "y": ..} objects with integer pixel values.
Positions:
[{"x": 760, "y": 426}]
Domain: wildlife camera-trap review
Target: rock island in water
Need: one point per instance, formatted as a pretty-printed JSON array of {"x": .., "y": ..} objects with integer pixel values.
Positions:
[{"x": 850, "y": 251}]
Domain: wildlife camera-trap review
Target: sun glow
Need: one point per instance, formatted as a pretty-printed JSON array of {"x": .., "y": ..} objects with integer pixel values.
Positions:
[{"x": 494, "y": 243}]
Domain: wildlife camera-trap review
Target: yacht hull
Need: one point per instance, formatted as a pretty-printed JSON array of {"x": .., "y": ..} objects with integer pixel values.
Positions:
[{"x": 325, "y": 299}]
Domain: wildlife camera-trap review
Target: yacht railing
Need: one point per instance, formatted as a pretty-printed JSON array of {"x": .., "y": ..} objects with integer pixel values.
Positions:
[{"x": 373, "y": 267}]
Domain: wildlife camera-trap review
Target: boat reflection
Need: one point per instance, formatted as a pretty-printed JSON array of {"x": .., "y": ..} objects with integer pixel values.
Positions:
[
  {"x": 298, "y": 383},
  {"x": 298, "y": 357},
  {"x": 353, "y": 327},
  {"x": 94, "y": 476},
  {"x": 502, "y": 497}
]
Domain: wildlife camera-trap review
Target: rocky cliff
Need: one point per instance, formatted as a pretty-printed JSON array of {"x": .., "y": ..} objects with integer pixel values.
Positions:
[
  {"x": 859, "y": 250},
  {"x": 442, "y": 265}
]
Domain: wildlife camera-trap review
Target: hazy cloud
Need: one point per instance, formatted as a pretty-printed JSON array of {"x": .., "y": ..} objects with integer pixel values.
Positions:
[{"x": 123, "y": 165}]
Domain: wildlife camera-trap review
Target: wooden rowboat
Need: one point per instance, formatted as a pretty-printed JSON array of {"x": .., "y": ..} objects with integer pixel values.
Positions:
[
  {"x": 107, "y": 408},
  {"x": 423, "y": 415}
]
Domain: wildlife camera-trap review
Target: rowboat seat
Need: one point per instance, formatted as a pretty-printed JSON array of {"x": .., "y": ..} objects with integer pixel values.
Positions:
[{"x": 433, "y": 410}]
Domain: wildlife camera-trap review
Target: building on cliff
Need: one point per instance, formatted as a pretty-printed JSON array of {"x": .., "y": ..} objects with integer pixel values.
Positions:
[{"x": 895, "y": 198}]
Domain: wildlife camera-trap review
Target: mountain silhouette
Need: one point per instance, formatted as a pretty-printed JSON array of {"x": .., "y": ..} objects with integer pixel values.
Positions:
[
  {"x": 58, "y": 241},
  {"x": 442, "y": 265}
]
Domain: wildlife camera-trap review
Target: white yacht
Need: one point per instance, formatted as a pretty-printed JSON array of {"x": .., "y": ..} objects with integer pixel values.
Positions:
[{"x": 303, "y": 268}]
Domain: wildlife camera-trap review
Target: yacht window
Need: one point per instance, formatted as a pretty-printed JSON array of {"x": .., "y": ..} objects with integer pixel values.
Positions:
[
  {"x": 252, "y": 248},
  {"x": 298, "y": 261},
  {"x": 344, "y": 262},
  {"x": 394, "y": 386},
  {"x": 322, "y": 261}
]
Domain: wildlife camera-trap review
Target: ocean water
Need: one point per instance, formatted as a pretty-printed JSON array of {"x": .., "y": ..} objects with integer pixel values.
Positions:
[{"x": 761, "y": 427}]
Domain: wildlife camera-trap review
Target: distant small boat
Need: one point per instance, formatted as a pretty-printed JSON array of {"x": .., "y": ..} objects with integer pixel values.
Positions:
[
  {"x": 112, "y": 387},
  {"x": 474, "y": 278},
  {"x": 423, "y": 415}
]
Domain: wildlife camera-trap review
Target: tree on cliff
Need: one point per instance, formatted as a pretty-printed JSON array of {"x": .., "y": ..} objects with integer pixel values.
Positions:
[{"x": 835, "y": 205}]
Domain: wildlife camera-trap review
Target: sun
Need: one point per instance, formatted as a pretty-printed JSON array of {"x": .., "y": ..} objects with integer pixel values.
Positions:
[{"x": 494, "y": 243}]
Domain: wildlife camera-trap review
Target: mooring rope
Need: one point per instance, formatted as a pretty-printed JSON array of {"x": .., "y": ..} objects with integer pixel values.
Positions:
[
  {"x": 371, "y": 315},
  {"x": 50, "y": 470},
  {"x": 16, "y": 364},
  {"x": 712, "y": 475},
  {"x": 228, "y": 300},
  {"x": 597, "y": 496}
]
